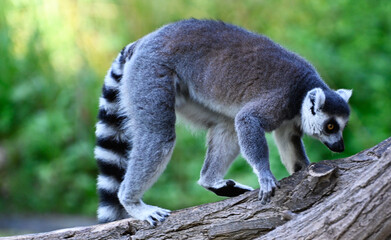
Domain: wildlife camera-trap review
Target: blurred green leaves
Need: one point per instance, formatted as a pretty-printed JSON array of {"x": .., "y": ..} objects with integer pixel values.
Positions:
[{"x": 54, "y": 55}]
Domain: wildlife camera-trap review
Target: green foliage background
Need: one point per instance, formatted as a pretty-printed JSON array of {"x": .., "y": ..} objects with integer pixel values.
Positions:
[{"x": 54, "y": 55}]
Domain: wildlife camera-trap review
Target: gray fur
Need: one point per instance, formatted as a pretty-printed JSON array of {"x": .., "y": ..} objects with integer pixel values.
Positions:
[
  {"x": 235, "y": 83},
  {"x": 290, "y": 146}
]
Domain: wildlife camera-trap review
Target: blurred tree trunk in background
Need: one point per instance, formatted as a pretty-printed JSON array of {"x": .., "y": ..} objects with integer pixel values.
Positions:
[{"x": 348, "y": 198}]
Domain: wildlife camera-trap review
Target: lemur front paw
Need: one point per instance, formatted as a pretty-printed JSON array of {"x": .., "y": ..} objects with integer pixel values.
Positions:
[
  {"x": 152, "y": 214},
  {"x": 268, "y": 185},
  {"x": 229, "y": 188}
]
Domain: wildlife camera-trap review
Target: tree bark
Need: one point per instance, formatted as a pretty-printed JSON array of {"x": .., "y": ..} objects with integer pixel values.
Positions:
[{"x": 348, "y": 198}]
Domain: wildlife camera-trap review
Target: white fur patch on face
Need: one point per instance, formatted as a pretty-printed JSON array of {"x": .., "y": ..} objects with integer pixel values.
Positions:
[
  {"x": 312, "y": 118},
  {"x": 330, "y": 139},
  {"x": 313, "y": 124}
]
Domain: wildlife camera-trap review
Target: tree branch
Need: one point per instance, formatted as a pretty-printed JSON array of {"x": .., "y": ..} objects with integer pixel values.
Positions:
[{"x": 348, "y": 198}]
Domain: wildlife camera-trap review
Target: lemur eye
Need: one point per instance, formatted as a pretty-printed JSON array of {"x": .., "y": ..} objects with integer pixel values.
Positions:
[{"x": 331, "y": 126}]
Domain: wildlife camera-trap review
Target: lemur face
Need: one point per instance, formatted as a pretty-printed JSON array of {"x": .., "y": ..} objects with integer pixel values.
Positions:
[
  {"x": 331, "y": 133},
  {"x": 324, "y": 116}
]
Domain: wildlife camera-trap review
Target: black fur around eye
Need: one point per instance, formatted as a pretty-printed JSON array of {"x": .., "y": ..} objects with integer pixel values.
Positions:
[{"x": 331, "y": 126}]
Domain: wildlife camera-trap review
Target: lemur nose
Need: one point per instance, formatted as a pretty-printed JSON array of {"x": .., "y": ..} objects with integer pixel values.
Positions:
[{"x": 338, "y": 146}]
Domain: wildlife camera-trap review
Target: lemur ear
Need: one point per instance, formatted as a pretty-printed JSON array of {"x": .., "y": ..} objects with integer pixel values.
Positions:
[
  {"x": 317, "y": 99},
  {"x": 345, "y": 94}
]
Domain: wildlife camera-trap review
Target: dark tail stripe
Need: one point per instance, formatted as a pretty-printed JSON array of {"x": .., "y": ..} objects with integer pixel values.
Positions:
[
  {"x": 111, "y": 119},
  {"x": 117, "y": 77},
  {"x": 110, "y": 94},
  {"x": 113, "y": 145},
  {"x": 109, "y": 169},
  {"x": 108, "y": 198}
]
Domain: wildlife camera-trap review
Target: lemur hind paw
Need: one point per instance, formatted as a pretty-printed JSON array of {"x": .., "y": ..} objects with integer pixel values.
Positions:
[
  {"x": 230, "y": 189},
  {"x": 152, "y": 214}
]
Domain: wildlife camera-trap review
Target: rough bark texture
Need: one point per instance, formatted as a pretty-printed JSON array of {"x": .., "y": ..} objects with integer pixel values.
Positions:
[{"x": 348, "y": 198}]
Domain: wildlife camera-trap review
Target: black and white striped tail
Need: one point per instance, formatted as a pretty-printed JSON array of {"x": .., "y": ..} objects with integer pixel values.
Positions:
[{"x": 112, "y": 144}]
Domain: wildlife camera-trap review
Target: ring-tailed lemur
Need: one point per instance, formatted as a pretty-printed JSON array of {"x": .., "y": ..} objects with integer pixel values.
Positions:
[{"x": 235, "y": 83}]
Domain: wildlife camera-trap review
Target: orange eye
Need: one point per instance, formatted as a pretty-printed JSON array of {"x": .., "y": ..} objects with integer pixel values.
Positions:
[{"x": 330, "y": 126}]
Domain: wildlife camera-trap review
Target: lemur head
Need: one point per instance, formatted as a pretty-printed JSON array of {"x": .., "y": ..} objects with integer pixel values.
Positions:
[{"x": 324, "y": 115}]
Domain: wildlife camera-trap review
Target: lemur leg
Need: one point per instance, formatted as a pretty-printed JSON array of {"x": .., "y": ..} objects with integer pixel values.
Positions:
[
  {"x": 222, "y": 150},
  {"x": 149, "y": 157},
  {"x": 149, "y": 101},
  {"x": 290, "y": 147},
  {"x": 253, "y": 145}
]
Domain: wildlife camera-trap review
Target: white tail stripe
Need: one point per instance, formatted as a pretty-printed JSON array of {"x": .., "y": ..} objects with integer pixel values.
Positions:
[
  {"x": 109, "y": 213},
  {"x": 109, "y": 157},
  {"x": 111, "y": 82},
  {"x": 103, "y": 130},
  {"x": 109, "y": 107},
  {"x": 108, "y": 183}
]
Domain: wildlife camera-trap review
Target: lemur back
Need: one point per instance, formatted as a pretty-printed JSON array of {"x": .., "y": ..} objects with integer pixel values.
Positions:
[{"x": 232, "y": 82}]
